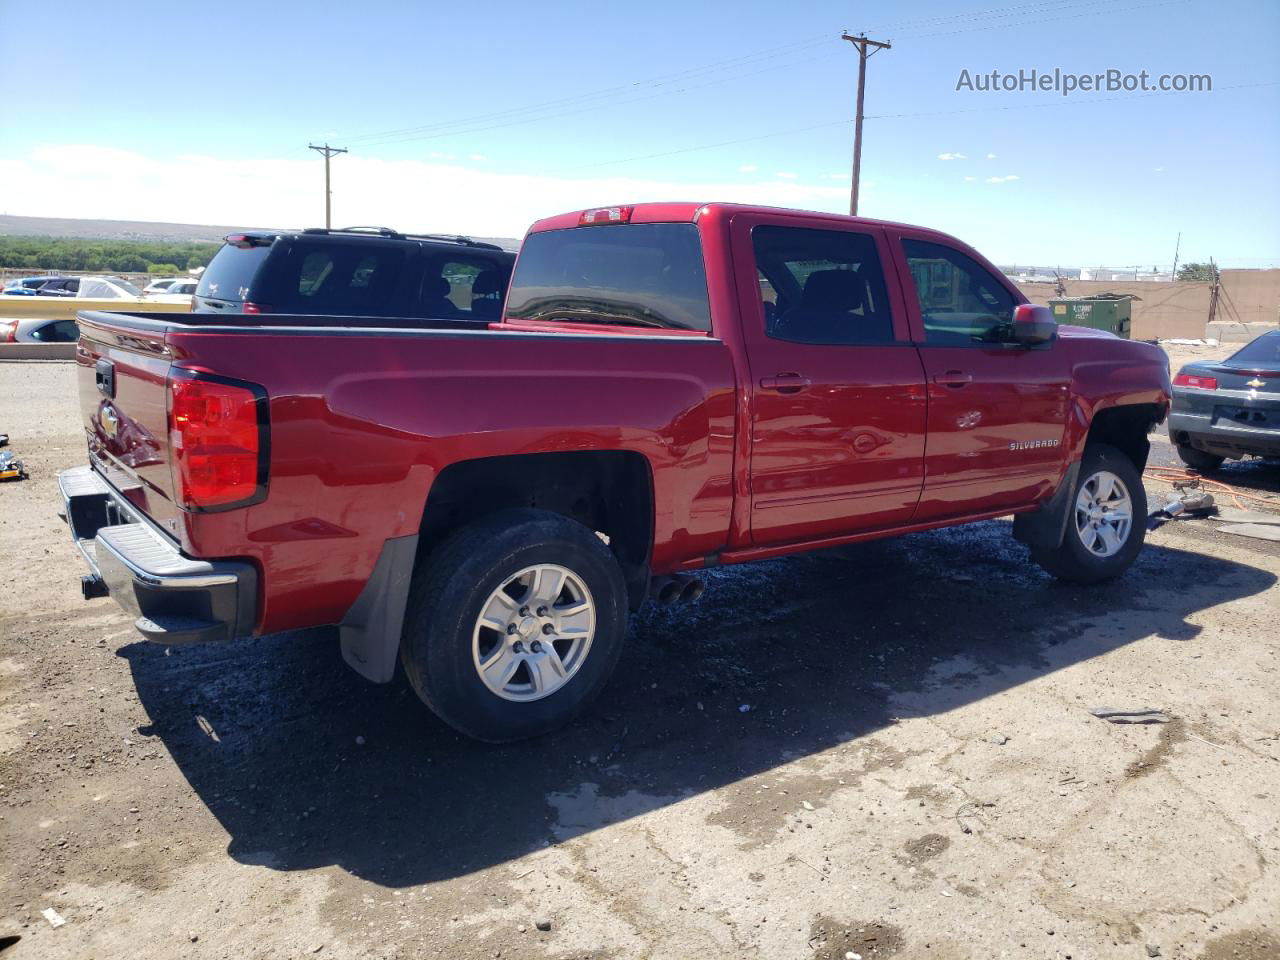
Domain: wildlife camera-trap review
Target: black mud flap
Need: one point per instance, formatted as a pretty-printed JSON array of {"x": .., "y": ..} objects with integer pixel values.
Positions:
[
  {"x": 370, "y": 632},
  {"x": 1045, "y": 526}
]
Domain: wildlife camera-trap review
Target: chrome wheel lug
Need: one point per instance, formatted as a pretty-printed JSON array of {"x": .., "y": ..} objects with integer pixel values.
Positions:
[
  {"x": 548, "y": 629},
  {"x": 518, "y": 647},
  {"x": 535, "y": 647},
  {"x": 542, "y": 611},
  {"x": 511, "y": 629}
]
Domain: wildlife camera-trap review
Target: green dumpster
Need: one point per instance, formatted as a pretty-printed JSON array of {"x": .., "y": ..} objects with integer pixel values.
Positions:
[{"x": 1102, "y": 311}]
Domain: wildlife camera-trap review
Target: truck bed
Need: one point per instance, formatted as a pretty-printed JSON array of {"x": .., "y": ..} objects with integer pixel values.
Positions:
[{"x": 363, "y": 416}]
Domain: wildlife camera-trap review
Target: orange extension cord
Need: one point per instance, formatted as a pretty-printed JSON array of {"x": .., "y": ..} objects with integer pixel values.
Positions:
[{"x": 1175, "y": 477}]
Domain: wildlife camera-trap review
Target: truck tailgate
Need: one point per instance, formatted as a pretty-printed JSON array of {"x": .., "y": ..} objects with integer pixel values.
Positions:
[{"x": 121, "y": 385}]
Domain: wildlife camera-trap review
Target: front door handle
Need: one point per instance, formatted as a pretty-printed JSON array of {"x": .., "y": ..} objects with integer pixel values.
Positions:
[
  {"x": 953, "y": 378},
  {"x": 786, "y": 383}
]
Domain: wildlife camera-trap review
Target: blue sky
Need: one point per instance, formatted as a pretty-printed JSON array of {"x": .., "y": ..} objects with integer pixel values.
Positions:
[{"x": 511, "y": 111}]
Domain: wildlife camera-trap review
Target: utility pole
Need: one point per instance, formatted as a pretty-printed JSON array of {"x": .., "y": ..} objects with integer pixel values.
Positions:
[
  {"x": 1177, "y": 248},
  {"x": 861, "y": 42},
  {"x": 326, "y": 151},
  {"x": 1213, "y": 292}
]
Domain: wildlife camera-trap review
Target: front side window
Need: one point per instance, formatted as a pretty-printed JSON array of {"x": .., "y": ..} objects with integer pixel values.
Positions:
[
  {"x": 961, "y": 301},
  {"x": 639, "y": 274},
  {"x": 821, "y": 286}
]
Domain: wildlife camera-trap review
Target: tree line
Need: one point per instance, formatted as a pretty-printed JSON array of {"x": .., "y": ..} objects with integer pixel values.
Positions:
[{"x": 108, "y": 256}]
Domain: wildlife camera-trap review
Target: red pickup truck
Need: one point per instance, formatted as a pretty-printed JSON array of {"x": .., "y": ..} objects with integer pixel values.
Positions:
[{"x": 670, "y": 387}]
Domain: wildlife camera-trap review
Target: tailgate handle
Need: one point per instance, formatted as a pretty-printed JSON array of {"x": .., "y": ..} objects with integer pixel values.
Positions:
[
  {"x": 104, "y": 375},
  {"x": 785, "y": 383}
]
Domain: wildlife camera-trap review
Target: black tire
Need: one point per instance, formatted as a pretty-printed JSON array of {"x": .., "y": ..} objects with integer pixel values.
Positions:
[
  {"x": 1198, "y": 459},
  {"x": 448, "y": 593},
  {"x": 1071, "y": 560}
]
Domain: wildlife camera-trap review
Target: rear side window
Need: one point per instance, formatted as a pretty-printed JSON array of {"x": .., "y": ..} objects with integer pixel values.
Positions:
[
  {"x": 821, "y": 286},
  {"x": 646, "y": 274},
  {"x": 230, "y": 273},
  {"x": 338, "y": 279},
  {"x": 458, "y": 286},
  {"x": 61, "y": 331}
]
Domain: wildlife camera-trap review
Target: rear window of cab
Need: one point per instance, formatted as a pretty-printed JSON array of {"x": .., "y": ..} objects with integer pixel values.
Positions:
[{"x": 638, "y": 274}]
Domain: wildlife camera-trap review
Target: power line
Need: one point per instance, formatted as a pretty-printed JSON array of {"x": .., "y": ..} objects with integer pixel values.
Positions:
[
  {"x": 609, "y": 96},
  {"x": 631, "y": 87},
  {"x": 1066, "y": 101},
  {"x": 461, "y": 130},
  {"x": 886, "y": 116},
  {"x": 1037, "y": 21}
]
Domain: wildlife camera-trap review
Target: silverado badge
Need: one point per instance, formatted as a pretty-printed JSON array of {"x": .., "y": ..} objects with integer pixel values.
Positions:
[
  {"x": 1255, "y": 383},
  {"x": 1032, "y": 444}
]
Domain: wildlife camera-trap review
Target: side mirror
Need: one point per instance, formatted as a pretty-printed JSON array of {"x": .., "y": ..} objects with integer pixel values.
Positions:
[{"x": 1033, "y": 324}]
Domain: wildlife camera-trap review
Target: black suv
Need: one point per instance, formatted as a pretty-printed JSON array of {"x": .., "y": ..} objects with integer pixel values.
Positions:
[{"x": 356, "y": 272}]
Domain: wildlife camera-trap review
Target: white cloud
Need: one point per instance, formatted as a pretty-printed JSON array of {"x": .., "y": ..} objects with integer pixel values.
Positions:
[
  {"x": 1012, "y": 176},
  {"x": 478, "y": 157},
  {"x": 436, "y": 155},
  {"x": 1158, "y": 169},
  {"x": 952, "y": 156},
  {"x": 971, "y": 178},
  {"x": 839, "y": 176},
  {"x": 748, "y": 168},
  {"x": 785, "y": 175},
  {"x": 99, "y": 182},
  {"x": 991, "y": 156}
]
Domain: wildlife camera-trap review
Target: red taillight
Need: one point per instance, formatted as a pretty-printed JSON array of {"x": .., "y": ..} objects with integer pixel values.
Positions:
[
  {"x": 8, "y": 331},
  {"x": 605, "y": 215},
  {"x": 1198, "y": 382},
  {"x": 218, "y": 437},
  {"x": 248, "y": 307}
]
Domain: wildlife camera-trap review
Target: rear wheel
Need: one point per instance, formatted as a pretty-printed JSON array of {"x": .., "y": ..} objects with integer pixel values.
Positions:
[
  {"x": 1106, "y": 524},
  {"x": 514, "y": 625},
  {"x": 1198, "y": 459}
]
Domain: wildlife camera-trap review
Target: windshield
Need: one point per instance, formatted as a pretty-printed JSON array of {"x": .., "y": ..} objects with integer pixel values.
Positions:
[{"x": 648, "y": 274}]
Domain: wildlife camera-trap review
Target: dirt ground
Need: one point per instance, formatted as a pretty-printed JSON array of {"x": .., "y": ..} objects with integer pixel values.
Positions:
[{"x": 876, "y": 752}]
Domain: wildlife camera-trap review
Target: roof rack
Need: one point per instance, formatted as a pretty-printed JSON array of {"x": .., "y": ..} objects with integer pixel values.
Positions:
[
  {"x": 397, "y": 235},
  {"x": 465, "y": 241}
]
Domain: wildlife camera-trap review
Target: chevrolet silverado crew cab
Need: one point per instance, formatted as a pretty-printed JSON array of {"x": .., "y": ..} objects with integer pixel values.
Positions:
[
  {"x": 364, "y": 271},
  {"x": 669, "y": 387}
]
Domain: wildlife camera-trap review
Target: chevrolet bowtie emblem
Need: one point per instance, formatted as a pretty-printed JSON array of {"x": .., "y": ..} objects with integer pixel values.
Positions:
[{"x": 1255, "y": 382}]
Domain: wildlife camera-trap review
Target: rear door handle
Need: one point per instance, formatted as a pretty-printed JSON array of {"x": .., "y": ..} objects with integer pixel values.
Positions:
[
  {"x": 786, "y": 383},
  {"x": 953, "y": 378}
]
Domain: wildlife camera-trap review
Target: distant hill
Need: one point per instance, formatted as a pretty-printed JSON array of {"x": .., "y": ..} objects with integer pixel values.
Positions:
[{"x": 145, "y": 230}]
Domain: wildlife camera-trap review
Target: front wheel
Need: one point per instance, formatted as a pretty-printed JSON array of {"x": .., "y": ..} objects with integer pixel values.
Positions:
[
  {"x": 1198, "y": 459},
  {"x": 1106, "y": 524},
  {"x": 514, "y": 625}
]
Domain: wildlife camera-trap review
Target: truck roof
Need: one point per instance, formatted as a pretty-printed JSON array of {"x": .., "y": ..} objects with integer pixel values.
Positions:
[{"x": 687, "y": 212}]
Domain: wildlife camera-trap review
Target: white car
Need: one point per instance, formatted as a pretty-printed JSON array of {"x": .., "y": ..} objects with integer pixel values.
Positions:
[
  {"x": 107, "y": 288},
  {"x": 177, "y": 291},
  {"x": 161, "y": 286}
]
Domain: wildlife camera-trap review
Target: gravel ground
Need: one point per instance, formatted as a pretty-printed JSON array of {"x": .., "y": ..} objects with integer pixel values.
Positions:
[{"x": 883, "y": 751}]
